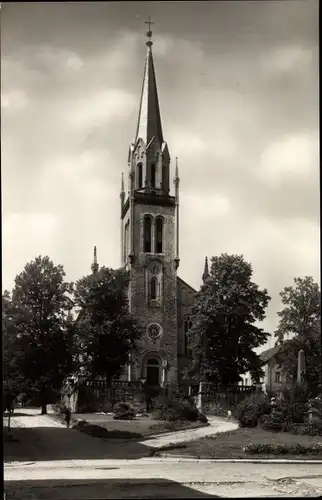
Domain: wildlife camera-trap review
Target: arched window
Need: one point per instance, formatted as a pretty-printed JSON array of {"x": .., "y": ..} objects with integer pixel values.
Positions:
[
  {"x": 187, "y": 326},
  {"x": 153, "y": 175},
  {"x": 153, "y": 288},
  {"x": 139, "y": 171},
  {"x": 147, "y": 234},
  {"x": 159, "y": 235}
]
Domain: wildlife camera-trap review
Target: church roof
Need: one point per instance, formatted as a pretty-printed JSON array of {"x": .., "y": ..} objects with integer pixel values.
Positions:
[
  {"x": 184, "y": 283},
  {"x": 149, "y": 122}
]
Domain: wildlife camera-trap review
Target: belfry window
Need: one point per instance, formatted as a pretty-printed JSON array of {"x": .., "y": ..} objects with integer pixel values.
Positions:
[
  {"x": 147, "y": 234},
  {"x": 153, "y": 288},
  {"x": 153, "y": 175},
  {"x": 139, "y": 171},
  {"x": 159, "y": 235}
]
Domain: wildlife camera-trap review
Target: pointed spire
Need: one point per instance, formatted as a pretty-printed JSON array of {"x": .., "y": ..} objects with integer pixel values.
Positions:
[
  {"x": 149, "y": 122},
  {"x": 206, "y": 271},
  {"x": 94, "y": 266},
  {"x": 177, "y": 178},
  {"x": 122, "y": 192}
]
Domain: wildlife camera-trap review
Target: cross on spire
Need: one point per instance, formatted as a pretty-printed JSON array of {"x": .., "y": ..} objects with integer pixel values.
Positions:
[{"x": 149, "y": 22}]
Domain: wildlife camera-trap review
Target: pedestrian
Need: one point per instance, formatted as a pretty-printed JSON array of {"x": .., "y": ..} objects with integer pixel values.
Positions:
[{"x": 67, "y": 417}]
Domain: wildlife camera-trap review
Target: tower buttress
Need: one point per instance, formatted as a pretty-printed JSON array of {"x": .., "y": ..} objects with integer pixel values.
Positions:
[{"x": 176, "y": 183}]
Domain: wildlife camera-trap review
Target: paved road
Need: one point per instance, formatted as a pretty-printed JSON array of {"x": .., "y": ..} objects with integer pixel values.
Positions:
[{"x": 55, "y": 463}]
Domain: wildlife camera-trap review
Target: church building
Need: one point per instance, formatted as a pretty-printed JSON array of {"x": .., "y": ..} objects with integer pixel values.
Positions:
[{"x": 159, "y": 300}]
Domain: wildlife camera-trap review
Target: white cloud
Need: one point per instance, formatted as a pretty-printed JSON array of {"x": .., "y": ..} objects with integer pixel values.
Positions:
[
  {"x": 205, "y": 206},
  {"x": 293, "y": 159},
  {"x": 14, "y": 100},
  {"x": 53, "y": 59},
  {"x": 101, "y": 107},
  {"x": 26, "y": 235},
  {"x": 186, "y": 142},
  {"x": 287, "y": 59},
  {"x": 74, "y": 62}
]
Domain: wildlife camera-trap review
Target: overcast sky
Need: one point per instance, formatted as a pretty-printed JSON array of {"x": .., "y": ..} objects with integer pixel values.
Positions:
[{"x": 238, "y": 91}]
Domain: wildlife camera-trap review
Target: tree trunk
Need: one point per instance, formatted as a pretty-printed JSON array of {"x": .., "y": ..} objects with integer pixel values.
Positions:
[
  {"x": 43, "y": 409},
  {"x": 9, "y": 418}
]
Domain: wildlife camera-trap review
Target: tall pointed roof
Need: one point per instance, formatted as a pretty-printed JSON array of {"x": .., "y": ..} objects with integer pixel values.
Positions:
[
  {"x": 95, "y": 266},
  {"x": 149, "y": 122},
  {"x": 206, "y": 270}
]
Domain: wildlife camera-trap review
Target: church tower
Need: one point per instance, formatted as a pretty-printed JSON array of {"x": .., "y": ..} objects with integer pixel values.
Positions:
[{"x": 150, "y": 243}]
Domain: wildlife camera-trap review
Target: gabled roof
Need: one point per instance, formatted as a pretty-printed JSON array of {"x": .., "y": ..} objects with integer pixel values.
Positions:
[
  {"x": 184, "y": 283},
  {"x": 265, "y": 356},
  {"x": 149, "y": 122}
]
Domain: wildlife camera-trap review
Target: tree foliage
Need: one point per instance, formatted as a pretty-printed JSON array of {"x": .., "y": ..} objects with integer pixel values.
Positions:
[
  {"x": 224, "y": 335},
  {"x": 36, "y": 325},
  {"x": 12, "y": 378},
  {"x": 106, "y": 333},
  {"x": 300, "y": 319}
]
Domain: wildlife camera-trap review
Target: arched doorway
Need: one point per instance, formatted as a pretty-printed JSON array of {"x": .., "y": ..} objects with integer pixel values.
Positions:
[{"x": 152, "y": 372}]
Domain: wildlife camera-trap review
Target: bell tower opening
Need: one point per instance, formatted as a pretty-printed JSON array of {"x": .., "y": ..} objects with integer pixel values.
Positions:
[
  {"x": 153, "y": 175},
  {"x": 139, "y": 172}
]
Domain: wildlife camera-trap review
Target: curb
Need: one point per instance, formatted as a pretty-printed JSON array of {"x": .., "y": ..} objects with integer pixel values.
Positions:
[{"x": 187, "y": 458}]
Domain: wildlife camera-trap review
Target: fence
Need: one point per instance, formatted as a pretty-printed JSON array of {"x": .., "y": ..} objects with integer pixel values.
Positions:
[{"x": 97, "y": 395}]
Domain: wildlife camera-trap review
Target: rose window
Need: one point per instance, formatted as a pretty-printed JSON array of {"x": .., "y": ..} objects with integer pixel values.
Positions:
[{"x": 154, "y": 331}]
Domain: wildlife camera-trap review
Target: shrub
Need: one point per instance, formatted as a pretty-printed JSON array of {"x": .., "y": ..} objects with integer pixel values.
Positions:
[
  {"x": 89, "y": 407},
  {"x": 123, "y": 411},
  {"x": 274, "y": 421},
  {"x": 305, "y": 429},
  {"x": 59, "y": 408},
  {"x": 251, "y": 409},
  {"x": 177, "y": 409},
  {"x": 294, "y": 403},
  {"x": 101, "y": 432},
  {"x": 283, "y": 449}
]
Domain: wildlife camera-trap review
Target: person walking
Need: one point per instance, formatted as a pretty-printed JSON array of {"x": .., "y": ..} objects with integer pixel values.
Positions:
[{"x": 67, "y": 417}]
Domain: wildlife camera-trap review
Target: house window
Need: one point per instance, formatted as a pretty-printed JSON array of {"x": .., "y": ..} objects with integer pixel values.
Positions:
[
  {"x": 278, "y": 377},
  {"x": 159, "y": 235},
  {"x": 153, "y": 288},
  {"x": 139, "y": 169},
  {"x": 153, "y": 175},
  {"x": 147, "y": 230},
  {"x": 187, "y": 327}
]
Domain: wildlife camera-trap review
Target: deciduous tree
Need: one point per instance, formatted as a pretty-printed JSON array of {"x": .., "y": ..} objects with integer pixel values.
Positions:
[
  {"x": 300, "y": 328},
  {"x": 39, "y": 307},
  {"x": 105, "y": 330},
  {"x": 224, "y": 333}
]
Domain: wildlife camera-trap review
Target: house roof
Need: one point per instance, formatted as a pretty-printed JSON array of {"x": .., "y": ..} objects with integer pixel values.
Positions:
[{"x": 265, "y": 356}]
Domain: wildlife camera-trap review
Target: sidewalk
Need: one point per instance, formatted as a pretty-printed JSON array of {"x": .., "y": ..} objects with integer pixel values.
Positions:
[{"x": 216, "y": 425}]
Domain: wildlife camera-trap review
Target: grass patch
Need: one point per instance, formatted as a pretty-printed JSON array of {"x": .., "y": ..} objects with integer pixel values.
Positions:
[
  {"x": 144, "y": 426},
  {"x": 231, "y": 445},
  {"x": 176, "y": 425}
]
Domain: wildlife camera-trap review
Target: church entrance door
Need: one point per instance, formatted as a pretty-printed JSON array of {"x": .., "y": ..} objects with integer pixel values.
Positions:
[{"x": 152, "y": 372}]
